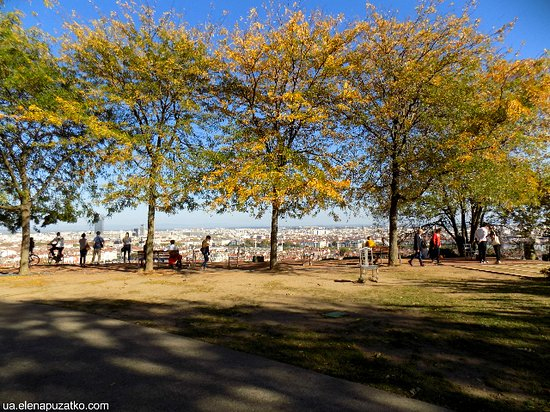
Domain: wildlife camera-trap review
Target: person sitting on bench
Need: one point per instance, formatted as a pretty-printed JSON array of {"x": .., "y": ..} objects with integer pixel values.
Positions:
[{"x": 175, "y": 256}]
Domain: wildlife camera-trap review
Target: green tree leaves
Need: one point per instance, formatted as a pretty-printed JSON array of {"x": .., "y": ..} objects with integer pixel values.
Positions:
[
  {"x": 148, "y": 74},
  {"x": 46, "y": 133}
]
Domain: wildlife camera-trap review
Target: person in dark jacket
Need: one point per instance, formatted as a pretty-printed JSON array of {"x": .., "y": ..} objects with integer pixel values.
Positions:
[
  {"x": 205, "y": 250},
  {"x": 417, "y": 248}
]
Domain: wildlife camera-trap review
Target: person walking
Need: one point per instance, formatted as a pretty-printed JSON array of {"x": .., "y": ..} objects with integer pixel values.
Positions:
[
  {"x": 417, "y": 247},
  {"x": 481, "y": 238},
  {"x": 126, "y": 247},
  {"x": 495, "y": 241},
  {"x": 84, "y": 247},
  {"x": 436, "y": 242},
  {"x": 424, "y": 250},
  {"x": 98, "y": 245},
  {"x": 205, "y": 250}
]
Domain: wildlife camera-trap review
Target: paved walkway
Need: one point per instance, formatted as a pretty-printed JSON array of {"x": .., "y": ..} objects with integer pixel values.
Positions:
[{"x": 50, "y": 354}]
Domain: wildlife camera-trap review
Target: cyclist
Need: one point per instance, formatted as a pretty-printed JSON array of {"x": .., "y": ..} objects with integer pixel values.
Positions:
[
  {"x": 33, "y": 258},
  {"x": 58, "y": 243}
]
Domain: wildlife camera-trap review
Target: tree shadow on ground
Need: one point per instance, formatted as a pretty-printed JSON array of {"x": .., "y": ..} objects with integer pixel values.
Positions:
[
  {"x": 54, "y": 355},
  {"x": 455, "y": 357}
]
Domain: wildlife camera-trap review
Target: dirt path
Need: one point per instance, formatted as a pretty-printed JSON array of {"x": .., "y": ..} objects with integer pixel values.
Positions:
[{"x": 325, "y": 286}]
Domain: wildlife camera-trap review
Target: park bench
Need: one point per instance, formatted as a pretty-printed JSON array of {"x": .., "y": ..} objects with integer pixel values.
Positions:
[
  {"x": 382, "y": 252},
  {"x": 232, "y": 261},
  {"x": 190, "y": 258},
  {"x": 159, "y": 256},
  {"x": 308, "y": 256},
  {"x": 468, "y": 251},
  {"x": 235, "y": 257}
]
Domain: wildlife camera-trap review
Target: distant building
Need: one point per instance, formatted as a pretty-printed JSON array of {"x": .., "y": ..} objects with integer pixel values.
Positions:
[{"x": 99, "y": 225}]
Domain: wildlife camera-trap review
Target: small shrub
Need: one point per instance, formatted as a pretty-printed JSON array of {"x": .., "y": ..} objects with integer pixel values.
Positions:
[{"x": 546, "y": 272}]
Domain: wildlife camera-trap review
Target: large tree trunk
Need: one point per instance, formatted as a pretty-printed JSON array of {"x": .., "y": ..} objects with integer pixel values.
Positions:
[
  {"x": 150, "y": 235},
  {"x": 463, "y": 224},
  {"x": 25, "y": 237},
  {"x": 456, "y": 232},
  {"x": 478, "y": 212},
  {"x": 394, "y": 246},
  {"x": 393, "y": 258},
  {"x": 274, "y": 236}
]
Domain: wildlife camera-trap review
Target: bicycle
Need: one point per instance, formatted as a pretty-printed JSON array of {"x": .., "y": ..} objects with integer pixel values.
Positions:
[
  {"x": 33, "y": 259},
  {"x": 55, "y": 259}
]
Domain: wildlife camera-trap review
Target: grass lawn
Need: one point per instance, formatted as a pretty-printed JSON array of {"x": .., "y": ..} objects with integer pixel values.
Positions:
[{"x": 450, "y": 335}]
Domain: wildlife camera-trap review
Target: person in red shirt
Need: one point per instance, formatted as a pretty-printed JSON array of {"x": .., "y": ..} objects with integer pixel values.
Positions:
[{"x": 436, "y": 242}]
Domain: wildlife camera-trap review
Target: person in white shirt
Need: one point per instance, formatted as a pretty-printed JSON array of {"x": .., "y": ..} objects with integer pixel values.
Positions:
[
  {"x": 175, "y": 257},
  {"x": 58, "y": 243},
  {"x": 481, "y": 238},
  {"x": 495, "y": 241}
]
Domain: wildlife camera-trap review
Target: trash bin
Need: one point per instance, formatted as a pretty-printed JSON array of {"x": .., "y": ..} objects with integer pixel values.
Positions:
[{"x": 257, "y": 259}]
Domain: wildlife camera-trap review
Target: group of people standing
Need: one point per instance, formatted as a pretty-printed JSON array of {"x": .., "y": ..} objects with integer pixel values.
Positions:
[
  {"x": 483, "y": 235},
  {"x": 426, "y": 250},
  {"x": 97, "y": 246},
  {"x": 58, "y": 244}
]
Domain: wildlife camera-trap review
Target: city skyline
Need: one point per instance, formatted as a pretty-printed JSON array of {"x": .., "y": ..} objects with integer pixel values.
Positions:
[{"x": 189, "y": 220}]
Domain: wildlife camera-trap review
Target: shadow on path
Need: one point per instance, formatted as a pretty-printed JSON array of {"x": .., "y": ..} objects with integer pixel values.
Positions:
[{"x": 51, "y": 354}]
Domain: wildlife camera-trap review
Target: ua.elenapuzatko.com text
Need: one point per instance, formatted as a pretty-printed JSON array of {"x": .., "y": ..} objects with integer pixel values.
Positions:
[{"x": 55, "y": 406}]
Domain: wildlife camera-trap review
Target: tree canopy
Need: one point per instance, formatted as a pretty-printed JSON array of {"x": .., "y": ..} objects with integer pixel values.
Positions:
[
  {"x": 503, "y": 155},
  {"x": 275, "y": 87},
  {"x": 48, "y": 134},
  {"x": 407, "y": 84},
  {"x": 148, "y": 74}
]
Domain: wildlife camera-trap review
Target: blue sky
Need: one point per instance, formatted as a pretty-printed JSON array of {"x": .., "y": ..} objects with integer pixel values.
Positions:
[{"x": 530, "y": 37}]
